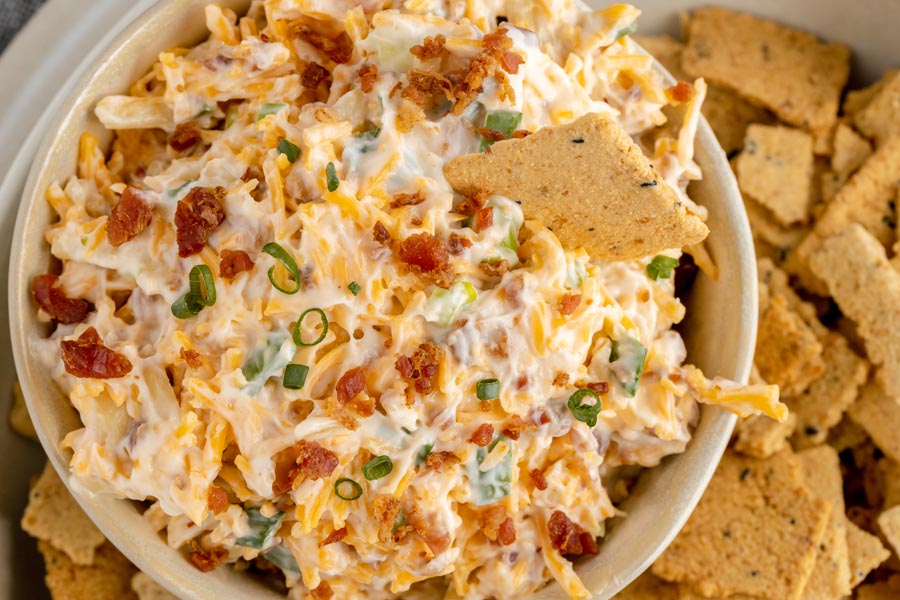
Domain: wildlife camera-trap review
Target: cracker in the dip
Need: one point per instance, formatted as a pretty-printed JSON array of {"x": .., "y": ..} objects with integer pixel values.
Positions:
[
  {"x": 855, "y": 268},
  {"x": 19, "y": 419},
  {"x": 52, "y": 515},
  {"x": 784, "y": 69},
  {"x": 880, "y": 119},
  {"x": 788, "y": 353},
  {"x": 107, "y": 578},
  {"x": 775, "y": 169},
  {"x": 589, "y": 183},
  {"x": 866, "y": 553},
  {"x": 850, "y": 150},
  {"x": 755, "y": 531},
  {"x": 147, "y": 589},
  {"x": 879, "y": 415}
]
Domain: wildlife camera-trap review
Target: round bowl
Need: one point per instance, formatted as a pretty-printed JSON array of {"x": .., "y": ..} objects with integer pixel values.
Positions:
[{"x": 720, "y": 333}]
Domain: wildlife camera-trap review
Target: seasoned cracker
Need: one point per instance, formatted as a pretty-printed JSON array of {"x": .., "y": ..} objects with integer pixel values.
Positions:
[
  {"x": 857, "y": 100},
  {"x": 761, "y": 437},
  {"x": 880, "y": 119},
  {"x": 147, "y": 589},
  {"x": 686, "y": 592},
  {"x": 775, "y": 282},
  {"x": 775, "y": 169},
  {"x": 667, "y": 50},
  {"x": 19, "y": 419},
  {"x": 589, "y": 183},
  {"x": 788, "y": 353},
  {"x": 882, "y": 590},
  {"x": 52, "y": 515},
  {"x": 846, "y": 434},
  {"x": 108, "y": 578},
  {"x": 729, "y": 115},
  {"x": 788, "y": 71},
  {"x": 879, "y": 415},
  {"x": 855, "y": 268},
  {"x": 771, "y": 239},
  {"x": 649, "y": 587},
  {"x": 889, "y": 524},
  {"x": 890, "y": 476},
  {"x": 830, "y": 183},
  {"x": 723, "y": 549},
  {"x": 850, "y": 151},
  {"x": 866, "y": 552}
]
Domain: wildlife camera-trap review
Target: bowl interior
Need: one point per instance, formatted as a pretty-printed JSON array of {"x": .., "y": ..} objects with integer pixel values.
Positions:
[{"x": 720, "y": 333}]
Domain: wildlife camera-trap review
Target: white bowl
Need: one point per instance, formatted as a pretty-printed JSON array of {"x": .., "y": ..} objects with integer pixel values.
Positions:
[{"x": 720, "y": 333}]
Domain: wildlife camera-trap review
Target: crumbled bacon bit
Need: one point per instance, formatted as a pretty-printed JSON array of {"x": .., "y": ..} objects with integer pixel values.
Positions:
[
  {"x": 456, "y": 243},
  {"x": 568, "y": 303},
  {"x": 561, "y": 379},
  {"x": 322, "y": 592},
  {"x": 350, "y": 384},
  {"x": 334, "y": 537},
  {"x": 232, "y": 262},
  {"x": 510, "y": 62},
  {"x": 432, "y": 47},
  {"x": 185, "y": 136},
  {"x": 397, "y": 87},
  {"x": 495, "y": 268},
  {"x": 483, "y": 435},
  {"x": 313, "y": 74},
  {"x": 521, "y": 382},
  {"x": 197, "y": 216},
  {"x": 439, "y": 459},
  {"x": 341, "y": 413},
  {"x": 436, "y": 539},
  {"x": 496, "y": 525},
  {"x": 88, "y": 357},
  {"x": 304, "y": 460},
  {"x": 472, "y": 204},
  {"x": 381, "y": 234},
  {"x": 538, "y": 479},
  {"x": 368, "y": 74},
  {"x": 208, "y": 560},
  {"x": 427, "y": 255},
  {"x": 385, "y": 508},
  {"x": 599, "y": 388},
  {"x": 408, "y": 199},
  {"x": 130, "y": 216},
  {"x": 426, "y": 87},
  {"x": 495, "y": 58},
  {"x": 484, "y": 218},
  {"x": 568, "y": 537},
  {"x": 338, "y": 48},
  {"x": 519, "y": 134},
  {"x": 507, "y": 533},
  {"x": 216, "y": 499},
  {"x": 498, "y": 40},
  {"x": 681, "y": 92},
  {"x": 516, "y": 426},
  {"x": 490, "y": 134},
  {"x": 421, "y": 368},
  {"x": 55, "y": 303},
  {"x": 192, "y": 358}
]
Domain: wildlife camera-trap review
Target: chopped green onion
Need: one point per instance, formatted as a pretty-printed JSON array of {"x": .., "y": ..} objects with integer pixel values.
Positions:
[
  {"x": 295, "y": 376},
  {"x": 378, "y": 467},
  {"x": 231, "y": 115},
  {"x": 399, "y": 521},
  {"x": 504, "y": 122},
  {"x": 661, "y": 267},
  {"x": 186, "y": 307},
  {"x": 626, "y": 358},
  {"x": 262, "y": 529},
  {"x": 331, "y": 177},
  {"x": 369, "y": 134},
  {"x": 298, "y": 337},
  {"x": 488, "y": 389},
  {"x": 627, "y": 30},
  {"x": 354, "y": 288},
  {"x": 268, "y": 109},
  {"x": 282, "y": 558},
  {"x": 288, "y": 149},
  {"x": 422, "y": 454},
  {"x": 266, "y": 362},
  {"x": 444, "y": 305},
  {"x": 287, "y": 261},
  {"x": 586, "y": 413},
  {"x": 357, "y": 489},
  {"x": 203, "y": 111},
  {"x": 203, "y": 286},
  {"x": 495, "y": 483}
]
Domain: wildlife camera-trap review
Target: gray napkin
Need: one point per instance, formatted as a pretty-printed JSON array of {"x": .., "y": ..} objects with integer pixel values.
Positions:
[{"x": 13, "y": 16}]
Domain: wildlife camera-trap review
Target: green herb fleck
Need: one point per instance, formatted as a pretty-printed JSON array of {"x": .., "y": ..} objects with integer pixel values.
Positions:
[
  {"x": 331, "y": 177},
  {"x": 288, "y": 149},
  {"x": 661, "y": 267}
]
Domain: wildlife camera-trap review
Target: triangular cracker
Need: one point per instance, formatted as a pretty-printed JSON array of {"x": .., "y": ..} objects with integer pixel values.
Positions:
[{"x": 589, "y": 183}]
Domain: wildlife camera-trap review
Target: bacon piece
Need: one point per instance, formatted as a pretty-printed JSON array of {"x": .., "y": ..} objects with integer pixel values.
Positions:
[
  {"x": 432, "y": 47},
  {"x": 681, "y": 92},
  {"x": 304, "y": 460},
  {"x": 381, "y": 234},
  {"x": 192, "y": 358},
  {"x": 490, "y": 134},
  {"x": 538, "y": 479},
  {"x": 385, "y": 508},
  {"x": 427, "y": 256},
  {"x": 350, "y": 384},
  {"x": 496, "y": 525},
  {"x": 472, "y": 204},
  {"x": 130, "y": 216},
  {"x": 313, "y": 74},
  {"x": 519, "y": 134},
  {"x": 196, "y": 217},
  {"x": 439, "y": 459},
  {"x": 456, "y": 243},
  {"x": 483, "y": 435},
  {"x": 496, "y": 59},
  {"x": 408, "y": 199},
  {"x": 216, "y": 499},
  {"x": 185, "y": 136},
  {"x": 208, "y": 560},
  {"x": 368, "y": 74},
  {"x": 232, "y": 262},
  {"x": 510, "y": 61},
  {"x": 496, "y": 268},
  {"x": 599, "y": 387},
  {"x": 55, "y": 303},
  {"x": 322, "y": 592},
  {"x": 484, "y": 218},
  {"x": 338, "y": 48},
  {"x": 435, "y": 538},
  {"x": 561, "y": 379},
  {"x": 516, "y": 425},
  {"x": 426, "y": 87},
  {"x": 568, "y": 537},
  {"x": 507, "y": 533},
  {"x": 568, "y": 303},
  {"x": 422, "y": 367},
  {"x": 333, "y": 537},
  {"x": 88, "y": 357}
]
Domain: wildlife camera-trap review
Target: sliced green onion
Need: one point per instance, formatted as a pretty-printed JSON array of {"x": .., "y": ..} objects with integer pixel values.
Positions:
[
  {"x": 288, "y": 149},
  {"x": 262, "y": 529},
  {"x": 661, "y": 267},
  {"x": 586, "y": 413},
  {"x": 488, "y": 389},
  {"x": 354, "y": 288},
  {"x": 287, "y": 261},
  {"x": 369, "y": 134},
  {"x": 298, "y": 336},
  {"x": 231, "y": 115},
  {"x": 495, "y": 483},
  {"x": 357, "y": 489},
  {"x": 627, "y": 30},
  {"x": 444, "y": 305},
  {"x": 203, "y": 285},
  {"x": 422, "y": 454},
  {"x": 378, "y": 467},
  {"x": 331, "y": 177},
  {"x": 295, "y": 376},
  {"x": 268, "y": 109},
  {"x": 504, "y": 122},
  {"x": 282, "y": 558},
  {"x": 626, "y": 359},
  {"x": 203, "y": 111},
  {"x": 186, "y": 307}
]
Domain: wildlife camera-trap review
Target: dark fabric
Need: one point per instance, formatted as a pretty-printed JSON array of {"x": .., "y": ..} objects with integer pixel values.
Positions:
[{"x": 13, "y": 16}]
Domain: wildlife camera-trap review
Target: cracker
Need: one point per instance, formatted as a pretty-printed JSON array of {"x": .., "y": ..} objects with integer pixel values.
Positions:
[
  {"x": 857, "y": 100},
  {"x": 788, "y": 353},
  {"x": 108, "y": 578},
  {"x": 19, "y": 419},
  {"x": 775, "y": 169},
  {"x": 686, "y": 592},
  {"x": 850, "y": 150},
  {"x": 723, "y": 549},
  {"x": 52, "y": 515},
  {"x": 761, "y": 437},
  {"x": 147, "y": 589},
  {"x": 866, "y": 552},
  {"x": 788, "y": 71},
  {"x": 880, "y": 119},
  {"x": 846, "y": 434},
  {"x": 769, "y": 237},
  {"x": 867, "y": 289},
  {"x": 822, "y": 406},
  {"x": 729, "y": 115},
  {"x": 830, "y": 183},
  {"x": 649, "y": 587},
  {"x": 890, "y": 475},
  {"x": 667, "y": 50},
  {"x": 882, "y": 590},
  {"x": 889, "y": 524},
  {"x": 775, "y": 282},
  {"x": 879, "y": 415},
  {"x": 588, "y": 182}
]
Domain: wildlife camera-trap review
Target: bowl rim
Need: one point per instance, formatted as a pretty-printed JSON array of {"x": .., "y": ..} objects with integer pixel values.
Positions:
[{"x": 719, "y": 423}]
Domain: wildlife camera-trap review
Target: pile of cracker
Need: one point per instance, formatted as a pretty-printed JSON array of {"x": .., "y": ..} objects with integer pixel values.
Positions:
[{"x": 808, "y": 509}]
